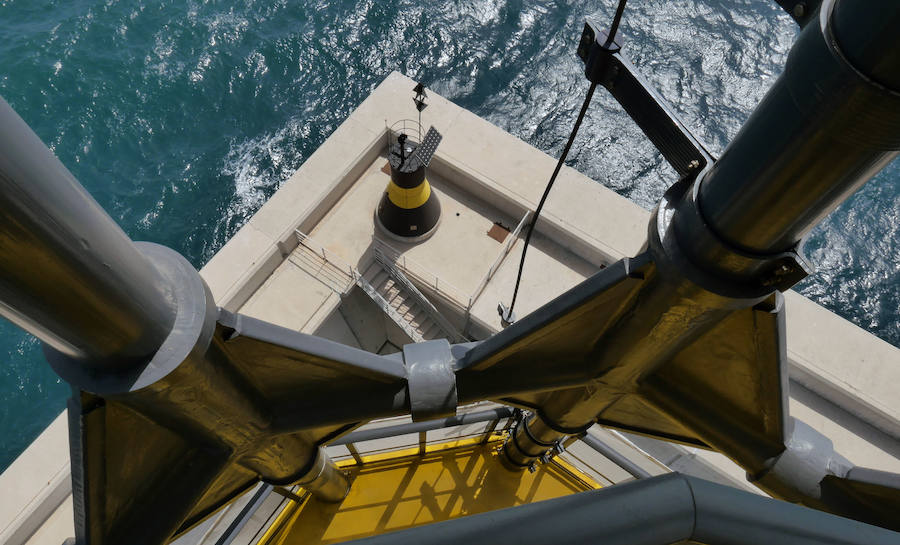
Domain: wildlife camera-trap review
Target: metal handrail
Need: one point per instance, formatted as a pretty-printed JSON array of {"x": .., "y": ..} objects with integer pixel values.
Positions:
[
  {"x": 497, "y": 413},
  {"x": 491, "y": 417},
  {"x": 420, "y": 298},
  {"x": 451, "y": 293},
  {"x": 329, "y": 257},
  {"x": 419, "y": 272},
  {"x": 615, "y": 457},
  {"x": 326, "y": 254},
  {"x": 507, "y": 246},
  {"x": 356, "y": 278},
  {"x": 388, "y": 309},
  {"x": 411, "y": 269},
  {"x": 338, "y": 280}
]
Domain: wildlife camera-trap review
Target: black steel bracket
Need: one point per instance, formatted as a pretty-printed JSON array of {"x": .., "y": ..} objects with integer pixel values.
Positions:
[
  {"x": 802, "y": 11},
  {"x": 606, "y": 65}
]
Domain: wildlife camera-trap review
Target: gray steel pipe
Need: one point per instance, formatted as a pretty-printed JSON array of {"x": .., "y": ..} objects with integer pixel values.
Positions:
[
  {"x": 464, "y": 419},
  {"x": 828, "y": 124},
  {"x": 616, "y": 457},
  {"x": 823, "y": 130},
  {"x": 532, "y": 437},
  {"x": 70, "y": 275},
  {"x": 671, "y": 508},
  {"x": 325, "y": 480}
]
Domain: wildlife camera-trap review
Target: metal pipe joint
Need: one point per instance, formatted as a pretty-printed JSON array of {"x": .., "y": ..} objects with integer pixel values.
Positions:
[
  {"x": 531, "y": 439},
  {"x": 324, "y": 480}
]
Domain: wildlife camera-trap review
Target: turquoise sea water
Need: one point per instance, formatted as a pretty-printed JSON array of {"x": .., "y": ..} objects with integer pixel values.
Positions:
[{"x": 182, "y": 117}]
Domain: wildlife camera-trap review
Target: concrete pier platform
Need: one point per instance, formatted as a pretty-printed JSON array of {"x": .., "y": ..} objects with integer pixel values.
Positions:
[{"x": 843, "y": 379}]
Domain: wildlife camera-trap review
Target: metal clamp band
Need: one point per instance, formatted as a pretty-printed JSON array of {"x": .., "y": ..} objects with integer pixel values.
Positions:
[
  {"x": 681, "y": 237},
  {"x": 430, "y": 380},
  {"x": 531, "y": 436}
]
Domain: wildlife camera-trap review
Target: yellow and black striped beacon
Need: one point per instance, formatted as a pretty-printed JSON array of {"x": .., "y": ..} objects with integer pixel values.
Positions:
[{"x": 409, "y": 211}]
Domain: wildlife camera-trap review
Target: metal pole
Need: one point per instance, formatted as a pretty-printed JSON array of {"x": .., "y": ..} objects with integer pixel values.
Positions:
[
  {"x": 325, "y": 480},
  {"x": 134, "y": 325},
  {"x": 490, "y": 431},
  {"x": 615, "y": 457},
  {"x": 246, "y": 513},
  {"x": 354, "y": 453},
  {"x": 827, "y": 125},
  {"x": 417, "y": 427},
  {"x": 68, "y": 274}
]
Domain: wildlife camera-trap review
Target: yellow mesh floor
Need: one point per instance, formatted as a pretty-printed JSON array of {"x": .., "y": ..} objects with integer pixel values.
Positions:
[{"x": 404, "y": 489}]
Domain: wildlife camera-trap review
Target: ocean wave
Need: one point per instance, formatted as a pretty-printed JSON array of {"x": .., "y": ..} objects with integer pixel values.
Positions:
[
  {"x": 257, "y": 167},
  {"x": 182, "y": 118}
]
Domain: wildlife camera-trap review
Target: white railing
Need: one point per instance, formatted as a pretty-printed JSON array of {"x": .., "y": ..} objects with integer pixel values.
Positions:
[
  {"x": 329, "y": 256},
  {"x": 448, "y": 291},
  {"x": 448, "y": 328},
  {"x": 415, "y": 270},
  {"x": 354, "y": 278},
  {"x": 507, "y": 246},
  {"x": 421, "y": 274},
  {"x": 332, "y": 259}
]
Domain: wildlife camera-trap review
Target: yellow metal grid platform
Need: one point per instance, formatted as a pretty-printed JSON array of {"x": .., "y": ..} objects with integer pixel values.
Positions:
[{"x": 405, "y": 488}]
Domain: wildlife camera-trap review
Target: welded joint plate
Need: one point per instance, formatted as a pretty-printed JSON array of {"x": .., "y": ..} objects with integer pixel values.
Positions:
[
  {"x": 808, "y": 458},
  {"x": 430, "y": 380}
]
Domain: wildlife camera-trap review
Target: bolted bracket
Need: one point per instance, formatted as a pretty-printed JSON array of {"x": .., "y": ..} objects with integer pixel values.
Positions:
[
  {"x": 596, "y": 53},
  {"x": 430, "y": 380},
  {"x": 507, "y": 316},
  {"x": 680, "y": 237},
  {"x": 802, "y": 11}
]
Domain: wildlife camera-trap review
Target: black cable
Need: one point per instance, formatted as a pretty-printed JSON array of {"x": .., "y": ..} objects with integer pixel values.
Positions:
[
  {"x": 617, "y": 18},
  {"x": 537, "y": 211}
]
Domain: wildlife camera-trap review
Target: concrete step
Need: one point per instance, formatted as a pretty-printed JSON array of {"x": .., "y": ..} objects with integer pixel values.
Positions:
[
  {"x": 387, "y": 285},
  {"x": 377, "y": 277},
  {"x": 372, "y": 274},
  {"x": 429, "y": 330},
  {"x": 392, "y": 291},
  {"x": 415, "y": 320},
  {"x": 403, "y": 305},
  {"x": 407, "y": 306},
  {"x": 428, "y": 333},
  {"x": 417, "y": 316}
]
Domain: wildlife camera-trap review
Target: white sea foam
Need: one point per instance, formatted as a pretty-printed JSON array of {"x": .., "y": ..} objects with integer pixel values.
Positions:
[
  {"x": 303, "y": 66},
  {"x": 257, "y": 167}
]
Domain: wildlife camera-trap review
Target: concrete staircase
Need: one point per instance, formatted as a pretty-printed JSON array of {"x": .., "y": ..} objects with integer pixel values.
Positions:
[
  {"x": 404, "y": 303},
  {"x": 386, "y": 285}
]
